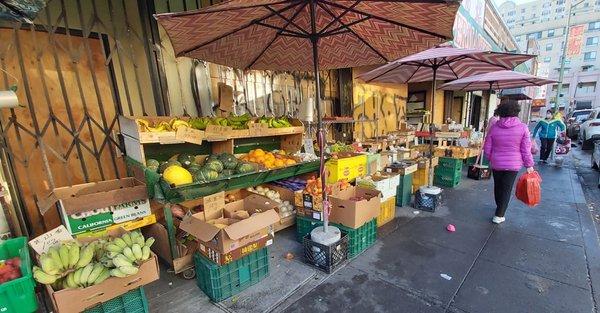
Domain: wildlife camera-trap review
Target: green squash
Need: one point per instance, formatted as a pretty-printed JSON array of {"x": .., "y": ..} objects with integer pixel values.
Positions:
[
  {"x": 229, "y": 161},
  {"x": 152, "y": 165},
  {"x": 245, "y": 168},
  {"x": 227, "y": 173},
  {"x": 214, "y": 165},
  {"x": 186, "y": 159},
  {"x": 163, "y": 166},
  {"x": 205, "y": 175}
]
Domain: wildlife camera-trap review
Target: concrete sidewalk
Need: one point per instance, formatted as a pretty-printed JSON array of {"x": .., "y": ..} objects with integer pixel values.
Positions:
[{"x": 542, "y": 259}]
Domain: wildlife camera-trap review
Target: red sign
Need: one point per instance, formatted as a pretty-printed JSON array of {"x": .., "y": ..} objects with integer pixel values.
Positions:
[
  {"x": 575, "y": 40},
  {"x": 538, "y": 103}
]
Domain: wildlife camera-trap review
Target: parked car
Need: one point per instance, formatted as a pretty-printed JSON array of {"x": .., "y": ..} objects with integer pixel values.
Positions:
[
  {"x": 589, "y": 130},
  {"x": 574, "y": 120}
]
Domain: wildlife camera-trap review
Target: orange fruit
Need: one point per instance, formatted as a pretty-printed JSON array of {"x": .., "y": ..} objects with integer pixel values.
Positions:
[
  {"x": 290, "y": 162},
  {"x": 279, "y": 163},
  {"x": 259, "y": 152}
]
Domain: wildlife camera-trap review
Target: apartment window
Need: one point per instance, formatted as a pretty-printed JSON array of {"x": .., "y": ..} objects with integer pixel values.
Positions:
[
  {"x": 547, "y": 59},
  {"x": 523, "y": 10},
  {"x": 551, "y": 32},
  {"x": 591, "y": 41},
  {"x": 560, "y": 10},
  {"x": 537, "y": 35},
  {"x": 549, "y": 47},
  {"x": 585, "y": 5},
  {"x": 560, "y": 2},
  {"x": 511, "y": 13},
  {"x": 547, "y": 4},
  {"x": 564, "y": 87},
  {"x": 586, "y": 88},
  {"x": 594, "y": 26},
  {"x": 589, "y": 56},
  {"x": 518, "y": 38},
  {"x": 587, "y": 68},
  {"x": 545, "y": 12}
]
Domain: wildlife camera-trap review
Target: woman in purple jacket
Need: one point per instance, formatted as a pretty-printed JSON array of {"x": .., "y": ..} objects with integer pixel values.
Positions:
[{"x": 508, "y": 147}]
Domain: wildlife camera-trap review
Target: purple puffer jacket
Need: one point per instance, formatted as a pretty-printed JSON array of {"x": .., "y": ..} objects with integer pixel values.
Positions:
[{"x": 507, "y": 145}]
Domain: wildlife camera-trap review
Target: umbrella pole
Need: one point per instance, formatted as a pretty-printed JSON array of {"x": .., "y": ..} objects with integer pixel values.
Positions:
[
  {"x": 485, "y": 124},
  {"x": 433, "y": 87},
  {"x": 320, "y": 134}
]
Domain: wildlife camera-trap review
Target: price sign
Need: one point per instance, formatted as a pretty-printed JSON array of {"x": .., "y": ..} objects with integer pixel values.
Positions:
[
  {"x": 45, "y": 241},
  {"x": 257, "y": 128},
  {"x": 218, "y": 131},
  {"x": 308, "y": 146},
  {"x": 213, "y": 204},
  {"x": 190, "y": 135}
]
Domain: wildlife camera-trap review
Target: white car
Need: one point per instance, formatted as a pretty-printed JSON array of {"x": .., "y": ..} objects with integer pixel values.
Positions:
[{"x": 590, "y": 130}]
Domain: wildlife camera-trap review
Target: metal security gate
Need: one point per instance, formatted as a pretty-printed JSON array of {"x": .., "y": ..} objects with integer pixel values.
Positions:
[{"x": 80, "y": 65}]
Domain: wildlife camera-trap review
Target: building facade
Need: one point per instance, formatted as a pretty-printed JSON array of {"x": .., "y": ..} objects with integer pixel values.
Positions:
[{"x": 546, "y": 21}]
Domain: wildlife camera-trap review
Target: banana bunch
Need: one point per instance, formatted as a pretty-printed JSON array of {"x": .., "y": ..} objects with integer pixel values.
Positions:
[
  {"x": 91, "y": 274},
  {"x": 172, "y": 125},
  {"x": 126, "y": 253},
  {"x": 61, "y": 259},
  {"x": 275, "y": 122}
]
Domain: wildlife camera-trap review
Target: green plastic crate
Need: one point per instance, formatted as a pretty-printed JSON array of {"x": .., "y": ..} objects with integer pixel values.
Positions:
[
  {"x": 404, "y": 190},
  {"x": 450, "y": 181},
  {"x": 361, "y": 238},
  {"x": 445, "y": 171},
  {"x": 304, "y": 225},
  {"x": 450, "y": 163},
  {"x": 222, "y": 282},
  {"x": 18, "y": 295},
  {"x": 133, "y": 301}
]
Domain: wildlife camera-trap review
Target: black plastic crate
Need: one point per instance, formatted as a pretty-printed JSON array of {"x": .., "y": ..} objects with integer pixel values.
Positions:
[
  {"x": 426, "y": 202},
  {"x": 326, "y": 258},
  {"x": 479, "y": 173}
]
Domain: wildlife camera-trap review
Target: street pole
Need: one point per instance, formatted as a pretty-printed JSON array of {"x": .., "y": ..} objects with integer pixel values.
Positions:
[{"x": 561, "y": 73}]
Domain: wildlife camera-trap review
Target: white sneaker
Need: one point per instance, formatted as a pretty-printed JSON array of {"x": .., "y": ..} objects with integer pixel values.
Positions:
[{"x": 498, "y": 220}]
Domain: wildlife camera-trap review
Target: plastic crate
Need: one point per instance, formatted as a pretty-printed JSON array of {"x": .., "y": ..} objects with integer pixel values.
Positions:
[
  {"x": 346, "y": 168},
  {"x": 361, "y": 238},
  {"x": 471, "y": 161},
  {"x": 304, "y": 225},
  {"x": 450, "y": 181},
  {"x": 426, "y": 202},
  {"x": 387, "y": 212},
  {"x": 404, "y": 190},
  {"x": 18, "y": 295},
  {"x": 450, "y": 163},
  {"x": 222, "y": 282},
  {"x": 133, "y": 301},
  {"x": 326, "y": 258},
  {"x": 445, "y": 171}
]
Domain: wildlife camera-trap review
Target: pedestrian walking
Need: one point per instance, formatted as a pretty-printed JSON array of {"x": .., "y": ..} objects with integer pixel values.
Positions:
[
  {"x": 547, "y": 130},
  {"x": 508, "y": 147}
]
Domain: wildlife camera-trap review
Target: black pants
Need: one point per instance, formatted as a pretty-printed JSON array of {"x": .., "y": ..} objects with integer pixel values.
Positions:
[
  {"x": 546, "y": 148},
  {"x": 503, "y": 186}
]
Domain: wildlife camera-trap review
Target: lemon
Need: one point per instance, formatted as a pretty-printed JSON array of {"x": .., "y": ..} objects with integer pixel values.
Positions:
[{"x": 177, "y": 175}]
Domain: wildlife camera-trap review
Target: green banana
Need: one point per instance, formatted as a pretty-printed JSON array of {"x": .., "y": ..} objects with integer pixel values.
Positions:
[
  {"x": 70, "y": 281},
  {"x": 127, "y": 239},
  {"x": 85, "y": 273},
  {"x": 116, "y": 272},
  {"x": 74, "y": 251},
  {"x": 113, "y": 247},
  {"x": 129, "y": 270},
  {"x": 87, "y": 254},
  {"x": 149, "y": 242},
  {"x": 137, "y": 251},
  {"x": 48, "y": 265},
  {"x": 121, "y": 260},
  {"x": 54, "y": 255},
  {"x": 120, "y": 242},
  {"x": 42, "y": 277},
  {"x": 103, "y": 276},
  {"x": 145, "y": 253},
  {"x": 77, "y": 276},
  {"x": 63, "y": 252},
  {"x": 129, "y": 254},
  {"x": 98, "y": 268}
]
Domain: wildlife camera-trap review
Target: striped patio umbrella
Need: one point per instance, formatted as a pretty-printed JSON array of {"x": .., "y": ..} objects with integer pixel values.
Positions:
[
  {"x": 442, "y": 63},
  {"x": 309, "y": 35},
  {"x": 495, "y": 81}
]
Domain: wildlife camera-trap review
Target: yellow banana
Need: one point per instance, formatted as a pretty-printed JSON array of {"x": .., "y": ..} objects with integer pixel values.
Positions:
[
  {"x": 42, "y": 277},
  {"x": 48, "y": 264}
]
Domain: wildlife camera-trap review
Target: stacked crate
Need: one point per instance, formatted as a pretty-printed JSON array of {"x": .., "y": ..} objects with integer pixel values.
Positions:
[
  {"x": 448, "y": 172},
  {"x": 404, "y": 190}
]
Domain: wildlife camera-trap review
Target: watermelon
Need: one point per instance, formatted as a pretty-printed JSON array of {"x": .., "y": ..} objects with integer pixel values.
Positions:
[
  {"x": 214, "y": 165},
  {"x": 163, "y": 166},
  {"x": 244, "y": 168},
  {"x": 186, "y": 159}
]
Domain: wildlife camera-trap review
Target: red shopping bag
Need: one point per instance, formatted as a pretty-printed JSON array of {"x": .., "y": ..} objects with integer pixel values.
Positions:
[
  {"x": 529, "y": 188},
  {"x": 534, "y": 147}
]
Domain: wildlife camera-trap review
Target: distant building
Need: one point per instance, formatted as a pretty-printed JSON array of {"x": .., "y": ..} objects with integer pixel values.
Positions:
[{"x": 546, "y": 22}]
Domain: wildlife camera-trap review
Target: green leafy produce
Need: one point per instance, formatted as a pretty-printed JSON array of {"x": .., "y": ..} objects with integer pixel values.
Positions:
[
  {"x": 245, "y": 168},
  {"x": 163, "y": 166},
  {"x": 186, "y": 159}
]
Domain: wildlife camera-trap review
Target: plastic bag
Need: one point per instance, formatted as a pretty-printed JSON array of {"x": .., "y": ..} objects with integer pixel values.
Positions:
[
  {"x": 534, "y": 148},
  {"x": 529, "y": 188}
]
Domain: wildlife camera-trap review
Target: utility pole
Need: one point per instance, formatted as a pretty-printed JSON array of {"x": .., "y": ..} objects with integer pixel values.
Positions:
[{"x": 561, "y": 72}]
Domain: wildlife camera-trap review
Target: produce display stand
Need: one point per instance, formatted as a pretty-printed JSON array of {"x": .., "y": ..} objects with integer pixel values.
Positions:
[{"x": 162, "y": 146}]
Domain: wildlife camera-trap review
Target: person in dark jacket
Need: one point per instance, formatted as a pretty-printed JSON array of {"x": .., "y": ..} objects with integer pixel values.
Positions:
[
  {"x": 547, "y": 129},
  {"x": 508, "y": 147}
]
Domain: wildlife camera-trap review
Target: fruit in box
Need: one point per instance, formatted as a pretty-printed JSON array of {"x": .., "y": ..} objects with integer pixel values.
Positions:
[
  {"x": 177, "y": 175},
  {"x": 270, "y": 160},
  {"x": 10, "y": 269}
]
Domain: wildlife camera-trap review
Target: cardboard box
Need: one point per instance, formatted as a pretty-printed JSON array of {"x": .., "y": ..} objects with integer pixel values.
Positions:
[
  {"x": 385, "y": 183},
  {"x": 402, "y": 170},
  {"x": 317, "y": 215},
  {"x": 237, "y": 233},
  {"x": 284, "y": 223},
  {"x": 225, "y": 258},
  {"x": 351, "y": 213},
  {"x": 98, "y": 205},
  {"x": 78, "y": 300},
  {"x": 129, "y": 226},
  {"x": 185, "y": 252}
]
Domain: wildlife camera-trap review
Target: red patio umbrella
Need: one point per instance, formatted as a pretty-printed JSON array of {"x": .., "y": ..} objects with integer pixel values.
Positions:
[
  {"x": 495, "y": 80},
  {"x": 309, "y": 35},
  {"x": 442, "y": 63}
]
